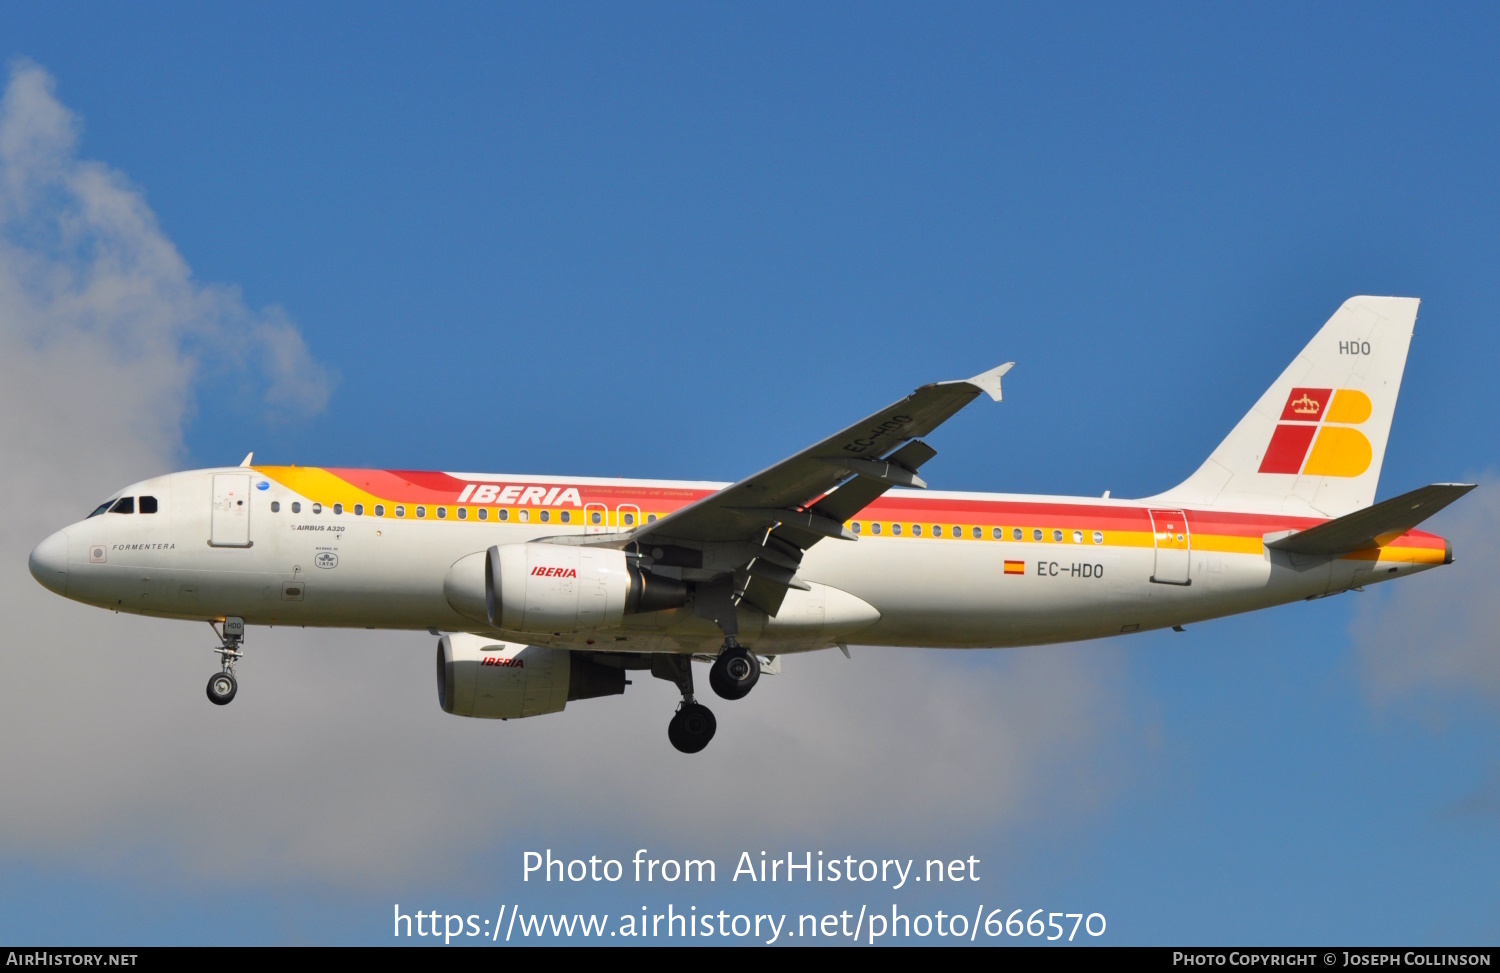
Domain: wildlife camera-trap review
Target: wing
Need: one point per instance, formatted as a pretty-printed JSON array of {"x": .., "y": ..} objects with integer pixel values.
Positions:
[{"x": 757, "y": 530}]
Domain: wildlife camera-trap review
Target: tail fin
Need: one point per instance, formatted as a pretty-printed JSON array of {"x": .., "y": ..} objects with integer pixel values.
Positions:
[{"x": 1314, "y": 442}]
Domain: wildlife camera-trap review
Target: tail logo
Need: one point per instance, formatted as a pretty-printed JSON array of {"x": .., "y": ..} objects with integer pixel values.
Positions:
[
  {"x": 1315, "y": 436},
  {"x": 1307, "y": 406}
]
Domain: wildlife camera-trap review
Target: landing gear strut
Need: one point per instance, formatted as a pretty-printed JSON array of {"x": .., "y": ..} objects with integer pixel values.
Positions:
[
  {"x": 694, "y": 724},
  {"x": 223, "y": 686},
  {"x": 735, "y": 672}
]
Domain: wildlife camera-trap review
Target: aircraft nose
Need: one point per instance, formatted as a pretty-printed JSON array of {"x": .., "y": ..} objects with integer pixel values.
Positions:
[{"x": 49, "y": 563}]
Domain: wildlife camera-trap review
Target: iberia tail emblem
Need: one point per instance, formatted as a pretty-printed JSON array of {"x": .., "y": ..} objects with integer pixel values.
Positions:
[{"x": 1315, "y": 435}]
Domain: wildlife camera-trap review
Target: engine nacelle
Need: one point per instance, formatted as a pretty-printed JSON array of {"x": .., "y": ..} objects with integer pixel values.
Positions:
[
  {"x": 496, "y": 680},
  {"x": 547, "y": 589}
]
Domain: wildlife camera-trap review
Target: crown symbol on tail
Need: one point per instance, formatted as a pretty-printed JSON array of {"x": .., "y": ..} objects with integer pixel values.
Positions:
[{"x": 1307, "y": 405}]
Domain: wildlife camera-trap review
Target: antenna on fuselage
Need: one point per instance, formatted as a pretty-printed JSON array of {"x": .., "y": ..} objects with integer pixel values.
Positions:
[{"x": 248, "y": 457}]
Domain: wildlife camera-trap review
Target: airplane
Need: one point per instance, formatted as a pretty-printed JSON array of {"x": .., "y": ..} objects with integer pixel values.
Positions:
[{"x": 544, "y": 590}]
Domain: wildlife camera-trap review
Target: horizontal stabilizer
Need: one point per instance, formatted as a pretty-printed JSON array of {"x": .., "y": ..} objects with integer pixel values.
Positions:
[{"x": 1373, "y": 526}]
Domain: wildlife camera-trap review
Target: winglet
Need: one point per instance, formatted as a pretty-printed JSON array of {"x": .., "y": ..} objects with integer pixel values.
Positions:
[
  {"x": 248, "y": 457},
  {"x": 987, "y": 382}
]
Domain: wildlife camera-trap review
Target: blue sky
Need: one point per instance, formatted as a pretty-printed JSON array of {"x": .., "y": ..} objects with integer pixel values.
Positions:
[{"x": 685, "y": 241}]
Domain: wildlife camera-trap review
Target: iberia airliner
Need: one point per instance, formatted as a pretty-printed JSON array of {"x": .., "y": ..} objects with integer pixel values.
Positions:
[{"x": 544, "y": 590}]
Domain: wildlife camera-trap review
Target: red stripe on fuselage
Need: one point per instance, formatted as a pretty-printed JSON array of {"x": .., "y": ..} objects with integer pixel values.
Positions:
[{"x": 418, "y": 486}]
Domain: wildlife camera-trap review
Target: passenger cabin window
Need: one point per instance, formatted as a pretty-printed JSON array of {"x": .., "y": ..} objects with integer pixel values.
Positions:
[
  {"x": 317, "y": 508},
  {"x": 380, "y": 510},
  {"x": 563, "y": 516},
  {"x": 421, "y": 512},
  {"x": 296, "y": 506},
  {"x": 275, "y": 506},
  {"x": 1077, "y": 537},
  {"x": 463, "y": 513},
  {"x": 997, "y": 533},
  {"x": 359, "y": 510},
  {"x": 651, "y": 518},
  {"x": 400, "y": 510},
  {"x": 1015, "y": 534},
  {"x": 505, "y": 515},
  {"x": 874, "y": 528},
  {"x": 856, "y": 527},
  {"x": 896, "y": 529},
  {"x": 630, "y": 520},
  {"x": 1098, "y": 537},
  {"x": 595, "y": 517},
  {"x": 916, "y": 530},
  {"x": 338, "y": 508},
  {"x": 484, "y": 513},
  {"x": 979, "y": 533},
  {"x": 546, "y": 516},
  {"x": 523, "y": 515},
  {"x": 124, "y": 505},
  {"x": 1057, "y": 537},
  {"x": 148, "y": 505},
  {"x": 442, "y": 513}
]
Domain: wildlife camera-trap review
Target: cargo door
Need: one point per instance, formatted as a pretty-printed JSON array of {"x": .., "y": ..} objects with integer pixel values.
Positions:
[
  {"x": 230, "y": 525},
  {"x": 1174, "y": 547}
]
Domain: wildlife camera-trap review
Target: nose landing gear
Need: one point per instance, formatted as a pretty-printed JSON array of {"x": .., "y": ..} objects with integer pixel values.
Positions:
[{"x": 223, "y": 685}]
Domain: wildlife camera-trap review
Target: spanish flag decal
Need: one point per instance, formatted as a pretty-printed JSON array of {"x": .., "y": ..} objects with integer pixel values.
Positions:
[
  {"x": 1314, "y": 436},
  {"x": 1015, "y": 567}
]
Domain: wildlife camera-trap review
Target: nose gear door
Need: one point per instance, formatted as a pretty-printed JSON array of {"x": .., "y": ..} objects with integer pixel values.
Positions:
[
  {"x": 1174, "y": 547},
  {"x": 230, "y": 525}
]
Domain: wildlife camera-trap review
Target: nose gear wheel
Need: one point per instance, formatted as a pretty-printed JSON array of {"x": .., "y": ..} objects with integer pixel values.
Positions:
[{"x": 222, "y": 685}]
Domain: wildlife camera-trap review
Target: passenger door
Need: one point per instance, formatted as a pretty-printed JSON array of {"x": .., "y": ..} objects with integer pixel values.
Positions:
[
  {"x": 230, "y": 526},
  {"x": 1174, "y": 547}
]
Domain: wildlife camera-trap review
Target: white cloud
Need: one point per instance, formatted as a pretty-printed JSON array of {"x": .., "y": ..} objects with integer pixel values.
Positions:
[
  {"x": 335, "y": 762},
  {"x": 1436, "y": 637}
]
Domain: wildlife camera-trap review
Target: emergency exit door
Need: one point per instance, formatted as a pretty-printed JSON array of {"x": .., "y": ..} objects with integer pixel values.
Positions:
[
  {"x": 1174, "y": 547},
  {"x": 230, "y": 526}
]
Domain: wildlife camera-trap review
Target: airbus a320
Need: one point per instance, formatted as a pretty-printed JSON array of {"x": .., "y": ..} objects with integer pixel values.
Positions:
[{"x": 545, "y": 590}]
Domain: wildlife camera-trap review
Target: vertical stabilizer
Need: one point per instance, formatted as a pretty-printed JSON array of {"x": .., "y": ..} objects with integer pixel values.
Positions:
[{"x": 1315, "y": 441}]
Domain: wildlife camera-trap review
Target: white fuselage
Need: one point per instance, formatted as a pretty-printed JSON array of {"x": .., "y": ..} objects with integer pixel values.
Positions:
[{"x": 341, "y": 570}]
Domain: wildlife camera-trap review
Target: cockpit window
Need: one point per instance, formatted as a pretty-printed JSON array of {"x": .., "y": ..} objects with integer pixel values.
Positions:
[
  {"x": 148, "y": 505},
  {"x": 124, "y": 505},
  {"x": 100, "y": 509}
]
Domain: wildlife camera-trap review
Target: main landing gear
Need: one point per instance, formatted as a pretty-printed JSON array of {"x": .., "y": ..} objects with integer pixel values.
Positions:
[
  {"x": 735, "y": 672},
  {"x": 693, "y": 725},
  {"x": 223, "y": 686}
]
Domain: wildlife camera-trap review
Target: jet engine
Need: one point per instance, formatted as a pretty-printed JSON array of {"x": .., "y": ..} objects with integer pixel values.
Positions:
[
  {"x": 496, "y": 680},
  {"x": 546, "y": 589}
]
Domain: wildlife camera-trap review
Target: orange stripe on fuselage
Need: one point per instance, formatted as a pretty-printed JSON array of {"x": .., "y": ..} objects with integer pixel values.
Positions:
[{"x": 1221, "y": 531}]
